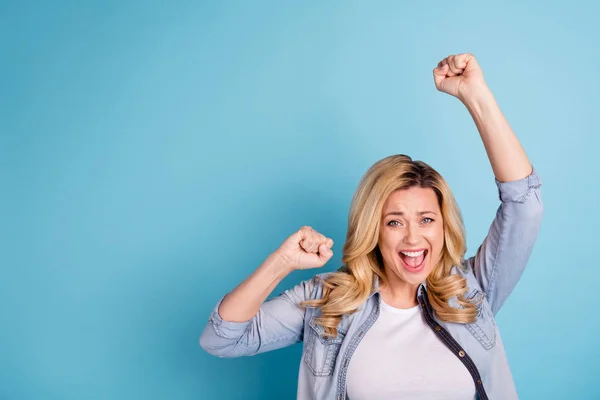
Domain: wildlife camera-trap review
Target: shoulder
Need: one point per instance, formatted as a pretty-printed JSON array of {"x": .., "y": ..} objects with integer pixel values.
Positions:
[
  {"x": 314, "y": 287},
  {"x": 465, "y": 270}
]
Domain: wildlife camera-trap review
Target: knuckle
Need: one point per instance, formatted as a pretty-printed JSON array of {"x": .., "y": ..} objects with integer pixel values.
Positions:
[{"x": 305, "y": 229}]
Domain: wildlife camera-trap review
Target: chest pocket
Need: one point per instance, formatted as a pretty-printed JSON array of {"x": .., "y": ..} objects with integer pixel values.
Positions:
[
  {"x": 484, "y": 328},
  {"x": 320, "y": 353}
]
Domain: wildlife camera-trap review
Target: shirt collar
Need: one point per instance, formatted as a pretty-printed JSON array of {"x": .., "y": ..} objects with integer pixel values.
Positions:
[{"x": 421, "y": 290}]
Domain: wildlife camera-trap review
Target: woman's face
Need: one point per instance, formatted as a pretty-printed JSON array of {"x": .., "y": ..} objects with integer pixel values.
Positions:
[{"x": 411, "y": 222}]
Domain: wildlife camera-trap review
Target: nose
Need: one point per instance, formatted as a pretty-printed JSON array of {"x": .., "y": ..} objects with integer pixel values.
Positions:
[{"x": 411, "y": 236}]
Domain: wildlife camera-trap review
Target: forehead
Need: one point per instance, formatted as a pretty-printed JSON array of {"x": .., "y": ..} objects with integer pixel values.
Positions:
[{"x": 412, "y": 200}]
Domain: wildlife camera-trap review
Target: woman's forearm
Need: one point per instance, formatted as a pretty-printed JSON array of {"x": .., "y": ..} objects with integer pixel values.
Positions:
[
  {"x": 245, "y": 300},
  {"x": 507, "y": 157}
]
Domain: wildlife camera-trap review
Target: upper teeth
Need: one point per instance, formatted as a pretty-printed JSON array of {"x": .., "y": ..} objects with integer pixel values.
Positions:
[{"x": 413, "y": 253}]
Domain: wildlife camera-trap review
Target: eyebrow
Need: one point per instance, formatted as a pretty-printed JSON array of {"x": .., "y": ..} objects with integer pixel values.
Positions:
[{"x": 402, "y": 214}]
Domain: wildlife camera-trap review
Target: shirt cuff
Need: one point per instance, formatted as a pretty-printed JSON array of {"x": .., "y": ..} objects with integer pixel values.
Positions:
[
  {"x": 518, "y": 190},
  {"x": 227, "y": 329}
]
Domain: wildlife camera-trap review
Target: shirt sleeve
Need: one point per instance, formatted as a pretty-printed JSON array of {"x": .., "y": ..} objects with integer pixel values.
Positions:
[
  {"x": 278, "y": 323},
  {"x": 501, "y": 259}
]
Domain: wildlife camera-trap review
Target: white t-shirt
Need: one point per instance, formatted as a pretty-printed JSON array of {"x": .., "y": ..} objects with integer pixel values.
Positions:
[{"x": 400, "y": 357}]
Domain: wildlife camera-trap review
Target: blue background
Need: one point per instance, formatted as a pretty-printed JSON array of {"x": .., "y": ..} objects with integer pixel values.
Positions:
[{"x": 153, "y": 154}]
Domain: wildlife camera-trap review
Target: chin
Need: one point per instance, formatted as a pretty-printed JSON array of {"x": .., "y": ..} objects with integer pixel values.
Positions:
[{"x": 415, "y": 280}]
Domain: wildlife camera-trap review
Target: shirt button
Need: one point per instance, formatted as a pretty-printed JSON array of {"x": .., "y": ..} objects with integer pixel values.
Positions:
[
  {"x": 461, "y": 353},
  {"x": 437, "y": 328},
  {"x": 479, "y": 381}
]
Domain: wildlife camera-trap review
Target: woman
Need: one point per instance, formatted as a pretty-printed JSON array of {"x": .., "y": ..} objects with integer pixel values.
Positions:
[{"x": 407, "y": 316}]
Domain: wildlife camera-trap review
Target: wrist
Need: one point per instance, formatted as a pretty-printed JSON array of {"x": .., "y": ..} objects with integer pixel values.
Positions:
[
  {"x": 280, "y": 265},
  {"x": 477, "y": 99}
]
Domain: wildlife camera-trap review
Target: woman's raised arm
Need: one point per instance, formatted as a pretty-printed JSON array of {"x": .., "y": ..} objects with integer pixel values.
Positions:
[
  {"x": 503, "y": 255},
  {"x": 242, "y": 323}
]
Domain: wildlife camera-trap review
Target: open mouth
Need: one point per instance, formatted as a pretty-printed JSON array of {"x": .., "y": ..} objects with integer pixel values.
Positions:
[{"x": 413, "y": 261}]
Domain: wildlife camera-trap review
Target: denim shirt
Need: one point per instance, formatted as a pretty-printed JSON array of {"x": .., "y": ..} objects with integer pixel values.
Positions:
[{"x": 491, "y": 274}]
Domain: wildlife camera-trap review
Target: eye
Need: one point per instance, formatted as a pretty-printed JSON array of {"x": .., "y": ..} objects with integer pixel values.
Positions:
[
  {"x": 430, "y": 220},
  {"x": 394, "y": 223}
]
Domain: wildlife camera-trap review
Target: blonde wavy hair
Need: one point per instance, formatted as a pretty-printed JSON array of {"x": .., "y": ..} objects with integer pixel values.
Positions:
[{"x": 345, "y": 290}]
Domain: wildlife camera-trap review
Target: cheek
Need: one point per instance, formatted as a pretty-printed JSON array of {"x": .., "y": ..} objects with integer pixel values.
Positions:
[
  {"x": 385, "y": 237},
  {"x": 439, "y": 241},
  {"x": 385, "y": 244},
  {"x": 388, "y": 243},
  {"x": 436, "y": 238}
]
